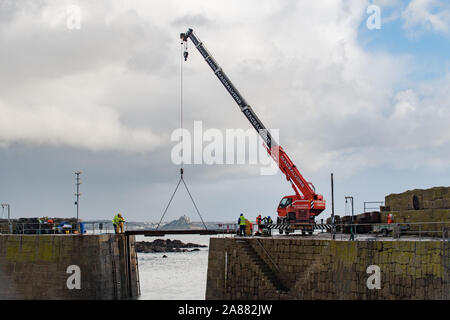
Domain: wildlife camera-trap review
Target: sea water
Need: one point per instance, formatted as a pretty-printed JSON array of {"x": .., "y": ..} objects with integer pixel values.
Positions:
[{"x": 180, "y": 276}]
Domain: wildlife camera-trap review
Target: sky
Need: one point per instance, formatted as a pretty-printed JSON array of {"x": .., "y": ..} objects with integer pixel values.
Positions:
[{"x": 95, "y": 86}]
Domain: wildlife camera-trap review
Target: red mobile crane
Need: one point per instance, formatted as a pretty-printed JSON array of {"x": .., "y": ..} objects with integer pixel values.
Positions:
[{"x": 300, "y": 208}]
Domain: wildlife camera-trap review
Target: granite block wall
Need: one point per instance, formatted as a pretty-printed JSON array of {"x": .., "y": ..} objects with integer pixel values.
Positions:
[
  {"x": 418, "y": 199},
  {"x": 36, "y": 266},
  {"x": 326, "y": 269}
]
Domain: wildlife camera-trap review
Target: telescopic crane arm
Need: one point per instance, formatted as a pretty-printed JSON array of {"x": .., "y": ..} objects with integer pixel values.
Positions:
[{"x": 298, "y": 182}]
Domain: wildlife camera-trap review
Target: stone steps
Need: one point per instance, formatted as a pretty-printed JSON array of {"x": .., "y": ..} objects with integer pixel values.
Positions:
[{"x": 262, "y": 266}]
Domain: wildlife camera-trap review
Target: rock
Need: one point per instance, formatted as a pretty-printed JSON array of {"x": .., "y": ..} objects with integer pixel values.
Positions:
[{"x": 161, "y": 245}]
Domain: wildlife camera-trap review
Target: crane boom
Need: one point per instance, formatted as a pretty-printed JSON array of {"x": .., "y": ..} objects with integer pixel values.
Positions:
[
  {"x": 235, "y": 94},
  {"x": 293, "y": 175}
]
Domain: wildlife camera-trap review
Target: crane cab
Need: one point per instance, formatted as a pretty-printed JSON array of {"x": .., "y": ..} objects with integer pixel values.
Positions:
[
  {"x": 295, "y": 209},
  {"x": 284, "y": 204},
  {"x": 292, "y": 209}
]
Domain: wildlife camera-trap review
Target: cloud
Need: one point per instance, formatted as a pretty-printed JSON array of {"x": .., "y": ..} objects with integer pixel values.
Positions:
[
  {"x": 114, "y": 85},
  {"x": 431, "y": 15},
  {"x": 55, "y": 81},
  {"x": 192, "y": 20},
  {"x": 93, "y": 128}
]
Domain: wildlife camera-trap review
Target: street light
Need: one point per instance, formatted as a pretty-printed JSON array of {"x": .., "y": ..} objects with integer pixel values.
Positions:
[
  {"x": 78, "y": 194},
  {"x": 333, "y": 225},
  {"x": 9, "y": 214},
  {"x": 351, "y": 227}
]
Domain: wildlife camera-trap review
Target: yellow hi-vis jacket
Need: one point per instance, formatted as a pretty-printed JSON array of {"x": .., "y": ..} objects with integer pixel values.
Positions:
[
  {"x": 117, "y": 220},
  {"x": 242, "y": 221}
]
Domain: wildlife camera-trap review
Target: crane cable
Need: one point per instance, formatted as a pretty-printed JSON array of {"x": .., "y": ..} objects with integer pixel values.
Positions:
[
  {"x": 184, "y": 54},
  {"x": 181, "y": 103}
]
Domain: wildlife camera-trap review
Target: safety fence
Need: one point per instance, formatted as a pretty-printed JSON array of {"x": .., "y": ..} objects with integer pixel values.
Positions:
[
  {"x": 227, "y": 228},
  {"x": 416, "y": 230},
  {"x": 348, "y": 231},
  {"x": 369, "y": 231},
  {"x": 233, "y": 228},
  {"x": 15, "y": 227}
]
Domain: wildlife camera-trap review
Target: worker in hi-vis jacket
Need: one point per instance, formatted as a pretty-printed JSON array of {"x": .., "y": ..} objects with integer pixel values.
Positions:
[
  {"x": 242, "y": 224},
  {"x": 118, "y": 221}
]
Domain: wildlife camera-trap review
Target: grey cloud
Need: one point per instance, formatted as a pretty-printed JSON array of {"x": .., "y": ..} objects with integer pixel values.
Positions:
[
  {"x": 113, "y": 87},
  {"x": 10, "y": 9},
  {"x": 36, "y": 50},
  {"x": 192, "y": 20}
]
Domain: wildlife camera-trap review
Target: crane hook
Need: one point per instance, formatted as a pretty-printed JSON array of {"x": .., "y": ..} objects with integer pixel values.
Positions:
[{"x": 185, "y": 53}]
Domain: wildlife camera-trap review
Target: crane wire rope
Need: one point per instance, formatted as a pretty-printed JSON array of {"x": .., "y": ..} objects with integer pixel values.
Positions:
[
  {"x": 183, "y": 55},
  {"x": 181, "y": 102}
]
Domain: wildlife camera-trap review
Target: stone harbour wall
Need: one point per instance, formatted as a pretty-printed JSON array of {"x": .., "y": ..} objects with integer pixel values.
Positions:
[
  {"x": 430, "y": 207},
  {"x": 419, "y": 199},
  {"x": 259, "y": 268},
  {"x": 38, "y": 266}
]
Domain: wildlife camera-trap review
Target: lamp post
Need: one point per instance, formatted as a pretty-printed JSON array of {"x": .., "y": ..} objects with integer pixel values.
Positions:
[
  {"x": 351, "y": 227},
  {"x": 78, "y": 194},
  {"x": 333, "y": 225},
  {"x": 6, "y": 205}
]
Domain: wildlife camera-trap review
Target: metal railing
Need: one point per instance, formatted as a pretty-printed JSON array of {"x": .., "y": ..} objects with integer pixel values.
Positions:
[
  {"x": 268, "y": 255},
  {"x": 16, "y": 227},
  {"x": 233, "y": 228},
  {"x": 417, "y": 230},
  {"x": 376, "y": 208},
  {"x": 24, "y": 228},
  {"x": 102, "y": 227},
  {"x": 228, "y": 228}
]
